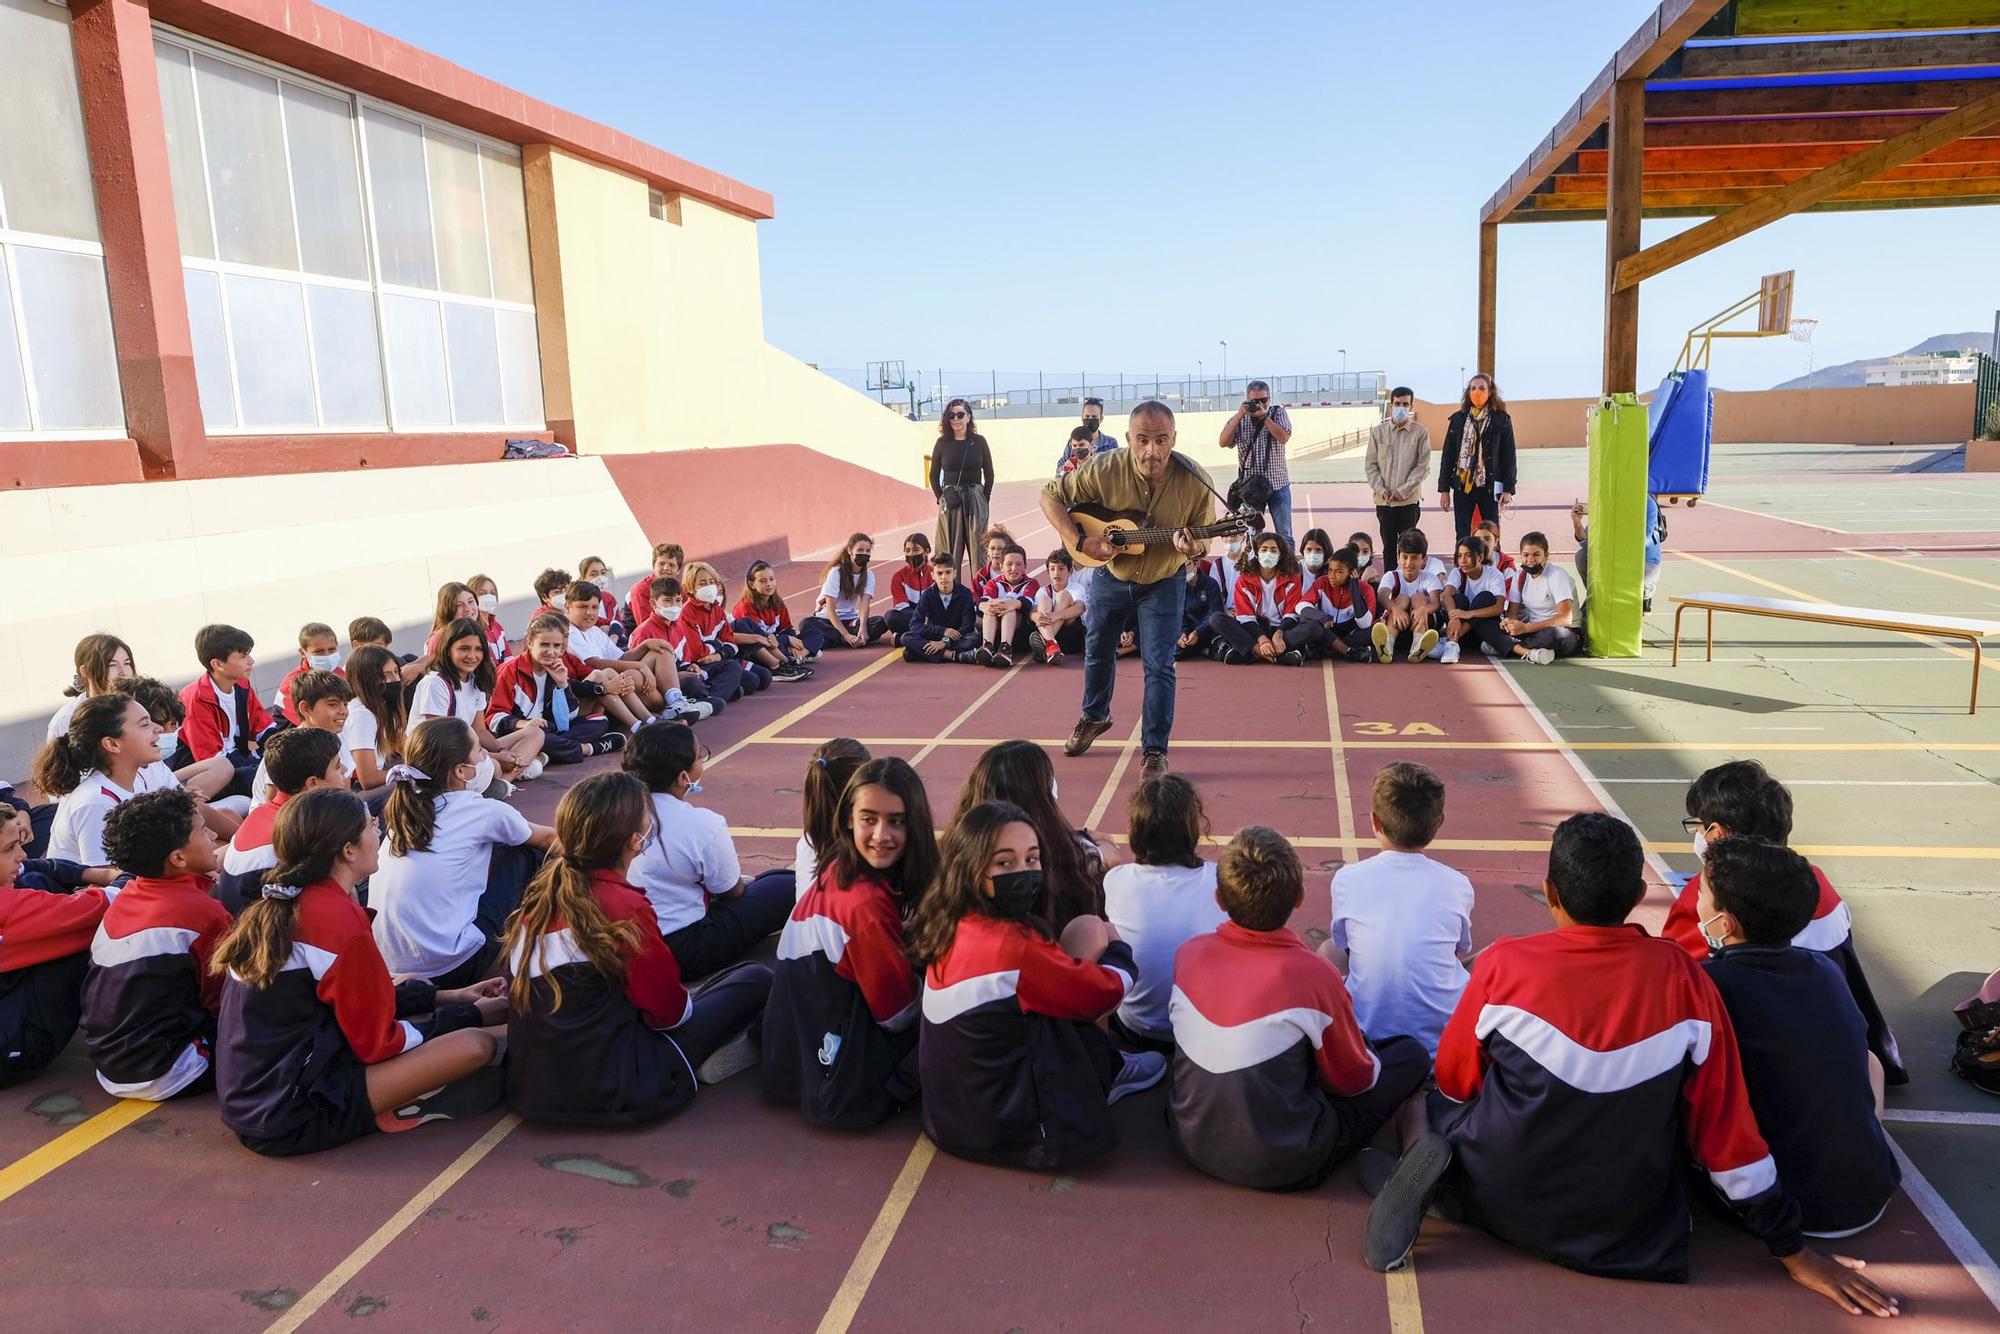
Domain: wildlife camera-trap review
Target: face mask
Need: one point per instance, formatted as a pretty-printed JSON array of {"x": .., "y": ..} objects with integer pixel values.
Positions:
[
  {"x": 694, "y": 788},
  {"x": 323, "y": 662},
  {"x": 1700, "y": 844},
  {"x": 1714, "y": 942},
  {"x": 709, "y": 593},
  {"x": 1478, "y": 397},
  {"x": 1534, "y": 571},
  {"x": 860, "y": 560},
  {"x": 1363, "y": 556},
  {"x": 489, "y": 604},
  {"x": 1399, "y": 414},
  {"x": 1314, "y": 560},
  {"x": 392, "y": 691},
  {"x": 1268, "y": 559},
  {"x": 670, "y": 611},
  {"x": 1236, "y": 548},
  {"x": 1015, "y": 893},
  {"x": 169, "y": 743}
]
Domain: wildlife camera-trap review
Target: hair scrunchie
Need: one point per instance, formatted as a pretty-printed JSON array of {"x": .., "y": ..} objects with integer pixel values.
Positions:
[
  {"x": 820, "y": 760},
  {"x": 407, "y": 773},
  {"x": 283, "y": 893}
]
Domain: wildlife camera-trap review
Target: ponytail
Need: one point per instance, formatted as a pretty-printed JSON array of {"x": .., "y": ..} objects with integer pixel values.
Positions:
[
  {"x": 311, "y": 830},
  {"x": 595, "y": 822},
  {"x": 436, "y": 747},
  {"x": 61, "y": 764},
  {"x": 832, "y": 764}
]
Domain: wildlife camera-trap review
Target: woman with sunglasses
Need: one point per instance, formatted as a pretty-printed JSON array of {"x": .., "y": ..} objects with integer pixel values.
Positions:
[{"x": 962, "y": 480}]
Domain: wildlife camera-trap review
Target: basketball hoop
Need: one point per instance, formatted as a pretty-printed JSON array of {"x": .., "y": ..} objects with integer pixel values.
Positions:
[{"x": 1802, "y": 330}]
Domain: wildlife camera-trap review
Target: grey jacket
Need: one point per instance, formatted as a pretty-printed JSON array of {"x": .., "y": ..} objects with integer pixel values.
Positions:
[{"x": 1398, "y": 462}]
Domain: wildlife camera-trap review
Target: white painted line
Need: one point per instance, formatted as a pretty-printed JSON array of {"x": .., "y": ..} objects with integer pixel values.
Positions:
[
  {"x": 1917, "y": 1117},
  {"x": 1601, "y": 727},
  {"x": 1776, "y": 728},
  {"x": 1833, "y": 782},
  {"x": 1963, "y": 1244}
]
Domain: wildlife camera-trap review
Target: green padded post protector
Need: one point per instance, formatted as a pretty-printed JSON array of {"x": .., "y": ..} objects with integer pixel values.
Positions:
[{"x": 1617, "y": 525}]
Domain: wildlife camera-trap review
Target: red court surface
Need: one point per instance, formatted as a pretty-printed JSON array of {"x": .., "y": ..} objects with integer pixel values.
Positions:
[{"x": 735, "y": 1215}]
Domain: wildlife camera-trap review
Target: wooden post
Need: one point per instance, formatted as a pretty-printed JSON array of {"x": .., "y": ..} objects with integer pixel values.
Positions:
[
  {"x": 1489, "y": 291},
  {"x": 1621, "y": 235}
]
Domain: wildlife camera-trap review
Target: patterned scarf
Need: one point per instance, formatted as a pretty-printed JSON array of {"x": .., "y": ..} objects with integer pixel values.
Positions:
[{"x": 1471, "y": 459}]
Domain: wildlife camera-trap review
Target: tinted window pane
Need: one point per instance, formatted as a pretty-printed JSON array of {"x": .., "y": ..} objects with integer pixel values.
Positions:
[
  {"x": 211, "y": 348},
  {"x": 457, "y": 215},
  {"x": 44, "y": 170},
  {"x": 348, "y": 362},
  {"x": 520, "y": 367},
  {"x": 415, "y": 344},
  {"x": 507, "y": 227},
  {"x": 326, "y": 183},
  {"x": 475, "y": 363},
  {"x": 13, "y": 388},
  {"x": 184, "y": 150},
  {"x": 401, "y": 200},
  {"x": 246, "y": 165},
  {"x": 267, "y": 329},
  {"x": 69, "y": 340}
]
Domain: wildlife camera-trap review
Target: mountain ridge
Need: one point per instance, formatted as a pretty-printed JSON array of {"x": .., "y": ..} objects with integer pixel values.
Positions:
[{"x": 1853, "y": 374}]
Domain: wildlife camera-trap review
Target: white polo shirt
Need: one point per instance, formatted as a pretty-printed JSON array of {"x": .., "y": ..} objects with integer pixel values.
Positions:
[
  {"x": 690, "y": 860},
  {"x": 1403, "y": 920},
  {"x": 847, "y": 609},
  {"x": 1490, "y": 580},
  {"x": 425, "y": 901},
  {"x": 434, "y": 697},
  {"x": 1540, "y": 596},
  {"x": 77, "y": 835},
  {"x": 1158, "y": 909},
  {"x": 593, "y": 642}
]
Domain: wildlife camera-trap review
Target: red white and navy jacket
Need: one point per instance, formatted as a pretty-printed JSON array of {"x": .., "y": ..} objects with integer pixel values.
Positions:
[
  {"x": 652, "y": 627},
  {"x": 637, "y": 605},
  {"x": 1831, "y": 932},
  {"x": 37, "y": 925},
  {"x": 843, "y": 1005},
  {"x": 1265, "y": 1037},
  {"x": 710, "y": 625},
  {"x": 1589, "y": 1064},
  {"x": 286, "y": 708},
  {"x": 279, "y": 1047},
  {"x": 496, "y": 635},
  {"x": 1266, "y": 597},
  {"x": 599, "y": 1057},
  {"x": 907, "y": 585},
  {"x": 207, "y": 725},
  {"x": 149, "y": 1001},
  {"x": 1007, "y": 1077},
  {"x": 768, "y": 622},
  {"x": 521, "y": 689},
  {"x": 1353, "y": 601},
  {"x": 240, "y": 883},
  {"x": 1022, "y": 591}
]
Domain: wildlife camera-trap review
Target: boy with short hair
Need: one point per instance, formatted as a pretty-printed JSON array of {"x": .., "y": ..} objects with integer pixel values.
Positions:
[
  {"x": 1082, "y": 442},
  {"x": 632, "y": 692},
  {"x": 552, "y": 593},
  {"x": 945, "y": 623},
  {"x": 1803, "y": 1040},
  {"x": 149, "y": 999},
  {"x": 545, "y": 686},
  {"x": 1544, "y": 609},
  {"x": 1581, "y": 1070},
  {"x": 1409, "y": 597},
  {"x": 224, "y": 715},
  {"x": 1058, "y": 614},
  {"x": 297, "y": 760},
  {"x": 1204, "y": 599},
  {"x": 1003, "y": 601},
  {"x": 1402, "y": 923},
  {"x": 667, "y": 561},
  {"x": 1740, "y": 798},
  {"x": 365, "y": 630},
  {"x": 319, "y": 651},
  {"x": 1274, "y": 1082},
  {"x": 321, "y": 699}
]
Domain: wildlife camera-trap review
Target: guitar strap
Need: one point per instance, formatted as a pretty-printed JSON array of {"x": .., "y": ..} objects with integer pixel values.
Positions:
[{"x": 1195, "y": 472}]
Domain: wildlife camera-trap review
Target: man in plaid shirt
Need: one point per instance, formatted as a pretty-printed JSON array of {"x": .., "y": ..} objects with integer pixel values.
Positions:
[{"x": 1258, "y": 433}]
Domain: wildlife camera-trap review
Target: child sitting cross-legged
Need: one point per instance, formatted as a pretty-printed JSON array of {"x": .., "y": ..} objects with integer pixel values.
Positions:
[
  {"x": 908, "y": 583},
  {"x": 945, "y": 626},
  {"x": 299, "y": 759},
  {"x": 1336, "y": 611},
  {"x": 206, "y": 779},
  {"x": 1409, "y": 596},
  {"x": 707, "y": 634},
  {"x": 45, "y": 935},
  {"x": 841, "y": 616},
  {"x": 1475, "y": 598},
  {"x": 1265, "y": 606},
  {"x": 1158, "y": 901},
  {"x": 1005, "y": 602},
  {"x": 458, "y": 683},
  {"x": 1058, "y": 615},
  {"x": 377, "y": 719},
  {"x": 761, "y": 615},
  {"x": 150, "y": 998},
  {"x": 631, "y": 678},
  {"x": 1581, "y": 1071},
  {"x": 1804, "y": 1042},
  {"x": 1204, "y": 602},
  {"x": 1275, "y": 1083},
  {"x": 544, "y": 686},
  {"x": 690, "y": 699},
  {"x": 601, "y": 1030},
  {"x": 1014, "y": 1067},
  {"x": 322, "y": 700},
  {"x": 224, "y": 715}
]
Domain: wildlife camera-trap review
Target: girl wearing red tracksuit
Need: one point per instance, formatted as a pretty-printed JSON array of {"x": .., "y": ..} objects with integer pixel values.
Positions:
[
  {"x": 44, "y": 950},
  {"x": 1014, "y": 1068},
  {"x": 1336, "y": 612},
  {"x": 1265, "y": 606},
  {"x": 706, "y": 635},
  {"x": 908, "y": 583},
  {"x": 762, "y": 617}
]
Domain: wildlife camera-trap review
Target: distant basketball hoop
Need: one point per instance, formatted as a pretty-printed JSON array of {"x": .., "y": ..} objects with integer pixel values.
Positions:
[
  {"x": 1802, "y": 332},
  {"x": 1773, "y": 300}
]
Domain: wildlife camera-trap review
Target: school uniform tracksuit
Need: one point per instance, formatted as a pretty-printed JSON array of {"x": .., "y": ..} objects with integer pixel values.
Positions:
[
  {"x": 522, "y": 690},
  {"x": 935, "y": 615},
  {"x": 1204, "y": 601},
  {"x": 1333, "y": 621},
  {"x": 705, "y": 630},
  {"x": 208, "y": 730},
  {"x": 906, "y": 587},
  {"x": 1264, "y": 605},
  {"x": 149, "y": 1000},
  {"x": 776, "y": 622},
  {"x": 45, "y": 937}
]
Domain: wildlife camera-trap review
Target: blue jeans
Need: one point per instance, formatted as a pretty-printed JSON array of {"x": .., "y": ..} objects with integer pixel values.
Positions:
[
  {"x": 1281, "y": 514},
  {"x": 1157, "y": 608}
]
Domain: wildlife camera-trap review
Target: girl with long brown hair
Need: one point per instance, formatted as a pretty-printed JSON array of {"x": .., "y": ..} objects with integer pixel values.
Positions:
[
  {"x": 311, "y": 1048},
  {"x": 376, "y": 717},
  {"x": 109, "y": 753},
  {"x": 102, "y": 661},
  {"x": 832, "y": 764},
  {"x": 1072, "y": 862},
  {"x": 602, "y": 1030},
  {"x": 840, "y": 617},
  {"x": 458, "y": 683}
]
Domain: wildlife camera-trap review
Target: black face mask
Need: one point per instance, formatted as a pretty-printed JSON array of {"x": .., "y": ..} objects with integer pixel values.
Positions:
[
  {"x": 1093, "y": 422},
  {"x": 860, "y": 560},
  {"x": 1016, "y": 893},
  {"x": 914, "y": 562},
  {"x": 1531, "y": 571}
]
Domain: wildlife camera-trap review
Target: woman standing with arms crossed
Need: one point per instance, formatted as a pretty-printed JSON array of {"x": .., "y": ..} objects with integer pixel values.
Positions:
[
  {"x": 1476, "y": 460},
  {"x": 962, "y": 480}
]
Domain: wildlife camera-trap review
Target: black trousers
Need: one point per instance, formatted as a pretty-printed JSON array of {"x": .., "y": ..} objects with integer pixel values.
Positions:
[
  {"x": 39, "y": 1009},
  {"x": 1392, "y": 520},
  {"x": 724, "y": 1005},
  {"x": 1405, "y": 1066},
  {"x": 734, "y": 924},
  {"x": 1469, "y": 507}
]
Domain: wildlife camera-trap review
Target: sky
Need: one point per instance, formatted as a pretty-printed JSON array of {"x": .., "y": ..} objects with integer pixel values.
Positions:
[{"x": 1122, "y": 186}]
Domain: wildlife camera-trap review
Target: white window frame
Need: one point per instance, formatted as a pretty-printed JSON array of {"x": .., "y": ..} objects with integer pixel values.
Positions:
[{"x": 359, "y": 104}]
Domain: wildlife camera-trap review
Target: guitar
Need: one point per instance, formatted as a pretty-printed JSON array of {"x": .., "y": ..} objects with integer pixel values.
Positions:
[{"x": 1126, "y": 531}]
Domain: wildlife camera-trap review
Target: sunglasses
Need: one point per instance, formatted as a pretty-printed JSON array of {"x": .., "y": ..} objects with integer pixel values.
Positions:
[
  {"x": 960, "y": 416},
  {"x": 1256, "y": 402}
]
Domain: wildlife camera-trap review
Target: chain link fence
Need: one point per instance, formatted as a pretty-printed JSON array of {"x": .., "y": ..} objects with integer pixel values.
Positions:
[{"x": 994, "y": 393}]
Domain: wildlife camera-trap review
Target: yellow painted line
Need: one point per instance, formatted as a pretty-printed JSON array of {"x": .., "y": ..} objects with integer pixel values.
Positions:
[
  {"x": 1103, "y": 802},
  {"x": 1423, "y": 743},
  {"x": 942, "y": 738},
  {"x": 1406, "y": 1309},
  {"x": 323, "y": 1291},
  {"x": 25, "y": 1171},
  {"x": 770, "y": 730},
  {"x": 847, "y": 1299},
  {"x": 1343, "y": 797},
  {"x": 1903, "y": 564}
]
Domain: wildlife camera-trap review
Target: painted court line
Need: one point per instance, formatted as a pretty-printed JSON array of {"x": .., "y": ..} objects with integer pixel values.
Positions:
[
  {"x": 1422, "y": 743},
  {"x": 1126, "y": 751},
  {"x": 769, "y": 731},
  {"x": 1978, "y": 1264},
  {"x": 1916, "y": 1117},
  {"x": 25, "y": 1171},
  {"x": 854, "y": 1287},
  {"x": 1406, "y": 1307},
  {"x": 1921, "y": 569},
  {"x": 1830, "y": 782}
]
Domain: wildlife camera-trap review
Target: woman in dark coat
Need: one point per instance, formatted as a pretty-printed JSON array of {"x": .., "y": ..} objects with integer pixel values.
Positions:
[
  {"x": 962, "y": 480},
  {"x": 1476, "y": 456}
]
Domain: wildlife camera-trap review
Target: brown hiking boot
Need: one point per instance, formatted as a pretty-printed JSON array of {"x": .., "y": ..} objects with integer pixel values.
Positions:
[
  {"x": 1087, "y": 731},
  {"x": 1152, "y": 764}
]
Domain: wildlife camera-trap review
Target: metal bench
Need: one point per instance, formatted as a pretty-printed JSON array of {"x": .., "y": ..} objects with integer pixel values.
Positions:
[{"x": 1827, "y": 613}]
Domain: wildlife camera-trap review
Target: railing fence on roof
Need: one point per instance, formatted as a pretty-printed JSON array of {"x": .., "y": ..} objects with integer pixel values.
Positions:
[{"x": 995, "y": 393}]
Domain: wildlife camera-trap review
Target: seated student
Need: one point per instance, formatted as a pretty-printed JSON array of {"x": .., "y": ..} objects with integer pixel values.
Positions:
[
  {"x": 1005, "y": 602},
  {"x": 1336, "y": 612},
  {"x": 45, "y": 939},
  {"x": 454, "y": 864},
  {"x": 994, "y": 543},
  {"x": 1082, "y": 444},
  {"x": 1013, "y": 1066},
  {"x": 710, "y": 913},
  {"x": 319, "y": 651},
  {"x": 1544, "y": 611},
  {"x": 1314, "y": 549},
  {"x": 1275, "y": 1083},
  {"x": 840, "y": 617},
  {"x": 832, "y": 764},
  {"x": 667, "y": 558},
  {"x": 1739, "y": 798},
  {"x": 224, "y": 715},
  {"x": 1475, "y": 598},
  {"x": 690, "y": 699},
  {"x": 601, "y": 1030},
  {"x": 205, "y": 779},
  {"x": 102, "y": 661},
  {"x": 299, "y": 759},
  {"x": 321, "y": 699},
  {"x": 762, "y": 618},
  {"x": 1368, "y": 567},
  {"x": 367, "y": 632},
  {"x": 1579, "y": 524},
  {"x": 53, "y": 874},
  {"x": 840, "y": 1029},
  {"x": 377, "y": 718},
  {"x": 1238, "y": 555},
  {"x": 1073, "y": 863},
  {"x": 110, "y": 754},
  {"x": 1058, "y": 615},
  {"x": 707, "y": 675},
  {"x": 456, "y": 602},
  {"x": 1267, "y": 597},
  {"x": 592, "y": 570},
  {"x": 543, "y": 686},
  {"x": 1203, "y": 602},
  {"x": 1158, "y": 901},
  {"x": 1409, "y": 596},
  {"x": 1805, "y": 1051},
  {"x": 1581, "y": 1070},
  {"x": 486, "y": 596},
  {"x": 945, "y": 626},
  {"x": 313, "y": 1048},
  {"x": 1402, "y": 923},
  {"x": 634, "y": 692},
  {"x": 706, "y": 625},
  {"x": 552, "y": 594},
  {"x": 459, "y": 684},
  {"x": 1488, "y": 531},
  {"x": 908, "y": 583},
  {"x": 150, "y": 998}
]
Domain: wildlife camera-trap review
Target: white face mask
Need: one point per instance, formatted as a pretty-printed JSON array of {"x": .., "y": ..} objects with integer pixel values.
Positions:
[
  {"x": 1314, "y": 560},
  {"x": 1700, "y": 844},
  {"x": 668, "y": 612},
  {"x": 694, "y": 788},
  {"x": 169, "y": 743},
  {"x": 323, "y": 662},
  {"x": 1714, "y": 942},
  {"x": 709, "y": 593},
  {"x": 1399, "y": 414},
  {"x": 489, "y": 604},
  {"x": 1236, "y": 548},
  {"x": 1268, "y": 559}
]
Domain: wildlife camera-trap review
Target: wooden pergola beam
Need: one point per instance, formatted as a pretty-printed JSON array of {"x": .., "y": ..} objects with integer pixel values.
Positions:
[
  {"x": 1802, "y": 193},
  {"x": 1709, "y": 209},
  {"x": 1776, "y": 157},
  {"x": 1621, "y": 236},
  {"x": 1788, "y": 18},
  {"x": 1712, "y": 201},
  {"x": 1860, "y": 129},
  {"x": 1670, "y": 182},
  {"x": 1813, "y": 99},
  {"x": 1845, "y": 55}
]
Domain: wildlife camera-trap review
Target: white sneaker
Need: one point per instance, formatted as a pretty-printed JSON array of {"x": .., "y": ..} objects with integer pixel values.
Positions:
[
  {"x": 1380, "y": 637},
  {"x": 534, "y": 769},
  {"x": 731, "y": 1058},
  {"x": 1541, "y": 657},
  {"x": 1448, "y": 652},
  {"x": 1142, "y": 1070},
  {"x": 694, "y": 710},
  {"x": 1422, "y": 648}
]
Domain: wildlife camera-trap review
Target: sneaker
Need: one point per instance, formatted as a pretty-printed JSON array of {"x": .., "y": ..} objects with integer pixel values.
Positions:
[
  {"x": 1449, "y": 653},
  {"x": 1087, "y": 730},
  {"x": 790, "y": 671},
  {"x": 694, "y": 710},
  {"x": 965, "y": 655},
  {"x": 1002, "y": 658},
  {"x": 534, "y": 769},
  {"x": 1055, "y": 657},
  {"x": 1541, "y": 657},
  {"x": 498, "y": 790},
  {"x": 813, "y": 656},
  {"x": 1398, "y": 1212},
  {"x": 1036, "y": 644},
  {"x": 1372, "y": 1169},
  {"x": 731, "y": 1058},
  {"x": 1384, "y": 647},
  {"x": 1152, "y": 764},
  {"x": 1646, "y": 604},
  {"x": 1291, "y": 657},
  {"x": 612, "y": 741},
  {"x": 1361, "y": 655},
  {"x": 463, "y": 1097},
  {"x": 983, "y": 656},
  {"x": 1234, "y": 657},
  {"x": 1422, "y": 648},
  {"x": 1142, "y": 1070}
]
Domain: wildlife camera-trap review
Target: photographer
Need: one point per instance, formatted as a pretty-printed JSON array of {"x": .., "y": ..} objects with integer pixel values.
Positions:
[
  {"x": 1093, "y": 418},
  {"x": 1258, "y": 433},
  {"x": 962, "y": 480}
]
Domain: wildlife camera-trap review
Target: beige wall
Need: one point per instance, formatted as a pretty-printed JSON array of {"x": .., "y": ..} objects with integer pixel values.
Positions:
[
  {"x": 654, "y": 332},
  {"x": 1027, "y": 447}
]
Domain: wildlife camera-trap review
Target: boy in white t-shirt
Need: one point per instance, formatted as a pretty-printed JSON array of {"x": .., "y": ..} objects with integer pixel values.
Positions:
[
  {"x": 1157, "y": 902},
  {"x": 633, "y": 680},
  {"x": 1545, "y": 607},
  {"x": 1409, "y": 596},
  {"x": 1058, "y": 616},
  {"x": 1402, "y": 924}
]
